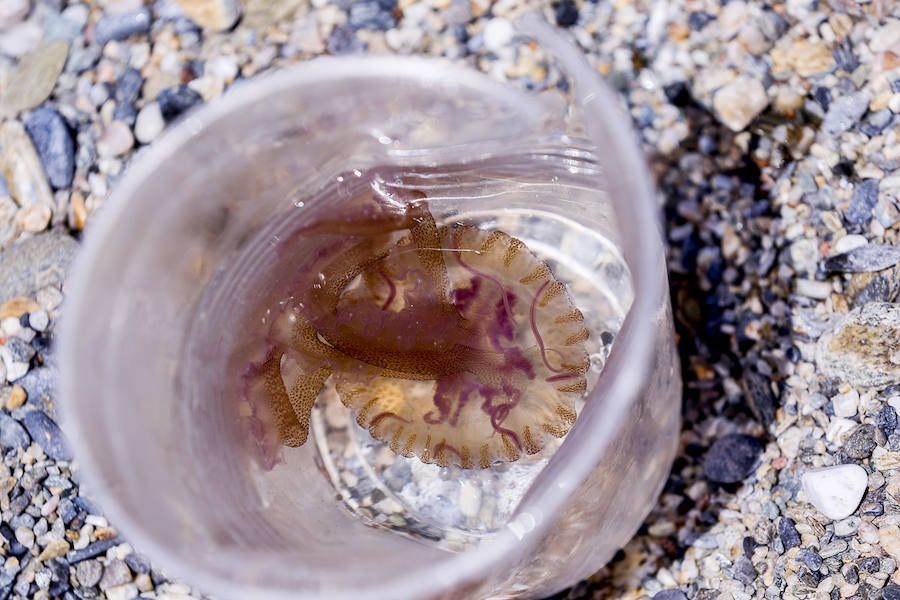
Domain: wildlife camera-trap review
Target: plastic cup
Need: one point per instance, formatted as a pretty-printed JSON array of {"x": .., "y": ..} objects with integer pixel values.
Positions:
[{"x": 144, "y": 347}]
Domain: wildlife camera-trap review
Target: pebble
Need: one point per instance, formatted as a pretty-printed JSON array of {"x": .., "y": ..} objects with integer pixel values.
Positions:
[
  {"x": 21, "y": 167},
  {"x": 845, "y": 405},
  {"x": 115, "y": 573},
  {"x": 53, "y": 550},
  {"x": 890, "y": 592},
  {"x": 21, "y": 39},
  {"x": 128, "y": 85},
  {"x": 176, "y": 100},
  {"x": 844, "y": 113},
  {"x": 39, "y": 319},
  {"x": 88, "y": 572},
  {"x": 862, "y": 349},
  {"x": 860, "y": 442},
  {"x": 732, "y": 458},
  {"x": 34, "y": 218},
  {"x": 739, "y": 102},
  {"x": 116, "y": 140},
  {"x": 215, "y": 15},
  {"x": 343, "y": 40},
  {"x": 847, "y": 527},
  {"x": 498, "y": 33},
  {"x": 149, "y": 123},
  {"x": 13, "y": 11},
  {"x": 865, "y": 196},
  {"x": 787, "y": 533},
  {"x": 813, "y": 289},
  {"x": 371, "y": 14},
  {"x": 121, "y": 26},
  {"x": 864, "y": 259},
  {"x": 47, "y": 435},
  {"x": 12, "y": 434},
  {"x": 35, "y": 76},
  {"x": 92, "y": 550},
  {"x": 138, "y": 563},
  {"x": 55, "y": 147},
  {"x": 835, "y": 491}
]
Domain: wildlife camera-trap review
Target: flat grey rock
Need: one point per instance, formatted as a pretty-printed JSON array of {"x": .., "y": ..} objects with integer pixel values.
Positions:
[{"x": 37, "y": 262}]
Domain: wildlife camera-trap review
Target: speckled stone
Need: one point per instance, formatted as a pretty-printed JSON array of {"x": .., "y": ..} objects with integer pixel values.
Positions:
[
  {"x": 862, "y": 349},
  {"x": 215, "y": 15},
  {"x": 35, "y": 263}
]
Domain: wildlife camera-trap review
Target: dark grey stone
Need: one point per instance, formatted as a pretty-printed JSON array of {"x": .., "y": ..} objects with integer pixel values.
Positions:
[
  {"x": 865, "y": 196},
  {"x": 138, "y": 563},
  {"x": 851, "y": 575},
  {"x": 870, "y": 564},
  {"x": 48, "y": 435},
  {"x": 865, "y": 259},
  {"x": 92, "y": 550},
  {"x": 54, "y": 145},
  {"x": 122, "y": 26},
  {"x": 732, "y": 458},
  {"x": 788, "y": 534},
  {"x": 811, "y": 559},
  {"x": 891, "y": 592},
  {"x": 176, "y": 100},
  {"x": 12, "y": 434},
  {"x": 744, "y": 570},
  {"x": 566, "y": 13},
  {"x": 760, "y": 396},
  {"x": 31, "y": 264},
  {"x": 887, "y": 418},
  {"x": 860, "y": 442},
  {"x": 88, "y": 572},
  {"x": 67, "y": 510},
  {"x": 876, "y": 122}
]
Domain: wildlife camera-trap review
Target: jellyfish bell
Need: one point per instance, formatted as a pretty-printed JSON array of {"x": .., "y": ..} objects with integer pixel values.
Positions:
[{"x": 453, "y": 344}]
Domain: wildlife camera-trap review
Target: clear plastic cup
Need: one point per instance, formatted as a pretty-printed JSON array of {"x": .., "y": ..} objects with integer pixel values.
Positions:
[{"x": 182, "y": 259}]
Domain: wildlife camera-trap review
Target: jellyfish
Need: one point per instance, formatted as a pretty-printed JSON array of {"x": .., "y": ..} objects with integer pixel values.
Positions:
[{"x": 453, "y": 344}]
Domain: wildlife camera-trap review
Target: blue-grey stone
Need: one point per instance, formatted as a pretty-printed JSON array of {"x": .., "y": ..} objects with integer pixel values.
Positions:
[
  {"x": 876, "y": 122},
  {"x": 54, "y": 145},
  {"x": 887, "y": 418},
  {"x": 57, "y": 27},
  {"x": 138, "y": 563},
  {"x": 670, "y": 595},
  {"x": 370, "y": 15},
  {"x": 88, "y": 506},
  {"x": 864, "y": 259},
  {"x": 865, "y": 196},
  {"x": 788, "y": 534},
  {"x": 811, "y": 559},
  {"x": 128, "y": 85},
  {"x": 732, "y": 458},
  {"x": 744, "y": 570},
  {"x": 57, "y": 481},
  {"x": 95, "y": 549},
  {"x": 40, "y": 382},
  {"x": 19, "y": 350},
  {"x": 343, "y": 40},
  {"x": 890, "y": 592},
  {"x": 82, "y": 59},
  {"x": 125, "y": 112},
  {"x": 12, "y": 434},
  {"x": 844, "y": 113},
  {"x": 48, "y": 435},
  {"x": 67, "y": 510},
  {"x": 122, "y": 26},
  {"x": 176, "y": 100}
]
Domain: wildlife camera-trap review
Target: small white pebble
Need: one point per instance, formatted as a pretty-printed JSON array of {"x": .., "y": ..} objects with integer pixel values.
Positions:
[
  {"x": 498, "y": 33},
  {"x": 835, "y": 491},
  {"x": 96, "y": 521},
  {"x": 845, "y": 405},
  {"x": 848, "y": 243},
  {"x": 149, "y": 123},
  {"x": 846, "y": 527},
  {"x": 25, "y": 536},
  {"x": 116, "y": 140},
  {"x": 39, "y": 320},
  {"x": 813, "y": 289},
  {"x": 10, "y": 326}
]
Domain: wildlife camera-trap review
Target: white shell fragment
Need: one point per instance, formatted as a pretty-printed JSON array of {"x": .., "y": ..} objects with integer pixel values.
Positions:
[{"x": 835, "y": 491}]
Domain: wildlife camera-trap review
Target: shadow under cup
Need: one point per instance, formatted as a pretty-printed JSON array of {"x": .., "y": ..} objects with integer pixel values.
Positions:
[{"x": 148, "y": 333}]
